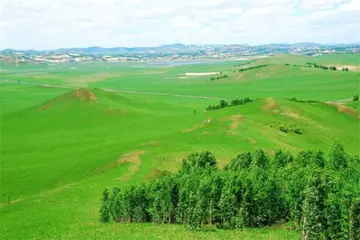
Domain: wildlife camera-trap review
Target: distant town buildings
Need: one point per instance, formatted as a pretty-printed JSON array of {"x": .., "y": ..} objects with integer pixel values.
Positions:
[{"x": 171, "y": 52}]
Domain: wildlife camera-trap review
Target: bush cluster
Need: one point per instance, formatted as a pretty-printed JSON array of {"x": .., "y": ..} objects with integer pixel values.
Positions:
[
  {"x": 319, "y": 195},
  {"x": 290, "y": 129}
]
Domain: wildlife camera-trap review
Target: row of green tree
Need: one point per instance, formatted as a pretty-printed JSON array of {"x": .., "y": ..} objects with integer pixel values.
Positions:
[
  {"x": 310, "y": 64},
  {"x": 224, "y": 104},
  {"x": 317, "y": 195},
  {"x": 293, "y": 99},
  {"x": 251, "y": 68},
  {"x": 219, "y": 77}
]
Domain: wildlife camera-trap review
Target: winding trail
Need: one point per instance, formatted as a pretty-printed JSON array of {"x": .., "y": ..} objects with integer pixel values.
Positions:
[{"x": 116, "y": 90}]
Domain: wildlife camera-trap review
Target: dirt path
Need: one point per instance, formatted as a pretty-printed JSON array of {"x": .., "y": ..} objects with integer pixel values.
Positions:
[
  {"x": 341, "y": 101},
  {"x": 161, "y": 94},
  {"x": 119, "y": 91}
]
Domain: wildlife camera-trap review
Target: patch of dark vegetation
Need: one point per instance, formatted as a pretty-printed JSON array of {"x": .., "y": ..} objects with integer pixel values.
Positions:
[
  {"x": 242, "y": 64},
  {"x": 315, "y": 194},
  {"x": 219, "y": 77},
  {"x": 290, "y": 129},
  {"x": 310, "y": 64},
  {"x": 286, "y": 128},
  {"x": 224, "y": 104},
  {"x": 252, "y": 68},
  {"x": 356, "y": 98},
  {"x": 303, "y": 101}
]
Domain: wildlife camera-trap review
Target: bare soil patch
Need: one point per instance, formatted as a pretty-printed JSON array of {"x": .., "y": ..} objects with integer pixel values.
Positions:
[
  {"x": 134, "y": 159},
  {"x": 197, "y": 126},
  {"x": 294, "y": 115},
  {"x": 349, "y": 111},
  {"x": 235, "y": 121},
  {"x": 270, "y": 104},
  {"x": 80, "y": 94},
  {"x": 354, "y": 68},
  {"x": 344, "y": 109}
]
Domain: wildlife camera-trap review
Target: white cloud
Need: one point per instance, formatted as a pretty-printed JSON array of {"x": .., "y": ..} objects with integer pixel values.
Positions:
[
  {"x": 313, "y": 5},
  {"x": 66, "y": 23}
]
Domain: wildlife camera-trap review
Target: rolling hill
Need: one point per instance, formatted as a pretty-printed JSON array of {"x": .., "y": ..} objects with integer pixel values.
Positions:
[{"x": 60, "y": 147}]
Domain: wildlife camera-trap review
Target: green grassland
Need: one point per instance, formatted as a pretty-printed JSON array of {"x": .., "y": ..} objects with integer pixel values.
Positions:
[{"x": 104, "y": 125}]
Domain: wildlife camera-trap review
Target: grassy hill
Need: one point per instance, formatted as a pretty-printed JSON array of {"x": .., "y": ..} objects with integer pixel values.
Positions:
[{"x": 60, "y": 147}]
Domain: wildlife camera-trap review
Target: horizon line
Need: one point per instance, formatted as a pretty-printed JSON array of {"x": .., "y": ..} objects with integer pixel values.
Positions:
[{"x": 193, "y": 44}]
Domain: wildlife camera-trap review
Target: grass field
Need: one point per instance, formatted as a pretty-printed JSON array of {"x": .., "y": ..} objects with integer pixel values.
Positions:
[{"x": 69, "y": 130}]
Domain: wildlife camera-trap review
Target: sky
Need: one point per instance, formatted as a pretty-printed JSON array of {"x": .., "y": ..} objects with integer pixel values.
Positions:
[{"x": 51, "y": 24}]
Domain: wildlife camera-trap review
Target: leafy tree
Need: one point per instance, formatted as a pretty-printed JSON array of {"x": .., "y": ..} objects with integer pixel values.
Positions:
[
  {"x": 253, "y": 190},
  {"x": 226, "y": 206},
  {"x": 318, "y": 159},
  {"x": 313, "y": 208},
  {"x": 242, "y": 161},
  {"x": 260, "y": 159},
  {"x": 104, "y": 209},
  {"x": 355, "y": 219},
  {"x": 337, "y": 218},
  {"x": 281, "y": 159},
  {"x": 199, "y": 162},
  {"x": 338, "y": 158}
]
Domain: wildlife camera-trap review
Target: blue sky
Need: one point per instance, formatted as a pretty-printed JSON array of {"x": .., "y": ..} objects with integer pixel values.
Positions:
[{"x": 49, "y": 24}]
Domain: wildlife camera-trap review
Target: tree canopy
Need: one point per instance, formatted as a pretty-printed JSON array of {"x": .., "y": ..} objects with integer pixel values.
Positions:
[{"x": 316, "y": 194}]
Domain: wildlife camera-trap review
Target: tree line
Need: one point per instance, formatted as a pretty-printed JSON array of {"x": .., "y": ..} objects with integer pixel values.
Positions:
[
  {"x": 319, "y": 196},
  {"x": 251, "y": 68},
  {"x": 293, "y": 99},
  {"x": 224, "y": 104},
  {"x": 219, "y": 77},
  {"x": 310, "y": 64}
]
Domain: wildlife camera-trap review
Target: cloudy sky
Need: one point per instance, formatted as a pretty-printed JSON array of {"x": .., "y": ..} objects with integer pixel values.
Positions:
[{"x": 49, "y": 24}]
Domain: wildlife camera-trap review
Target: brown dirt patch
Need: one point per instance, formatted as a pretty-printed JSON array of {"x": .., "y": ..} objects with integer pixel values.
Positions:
[
  {"x": 154, "y": 174},
  {"x": 349, "y": 111},
  {"x": 81, "y": 94},
  {"x": 84, "y": 94},
  {"x": 134, "y": 160},
  {"x": 3, "y": 204},
  {"x": 353, "y": 68},
  {"x": 344, "y": 109},
  {"x": 131, "y": 158},
  {"x": 235, "y": 121},
  {"x": 252, "y": 141},
  {"x": 270, "y": 104},
  {"x": 206, "y": 133},
  {"x": 197, "y": 126},
  {"x": 293, "y": 115}
]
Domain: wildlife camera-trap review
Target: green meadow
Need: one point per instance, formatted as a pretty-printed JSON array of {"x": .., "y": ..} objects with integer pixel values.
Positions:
[{"x": 67, "y": 131}]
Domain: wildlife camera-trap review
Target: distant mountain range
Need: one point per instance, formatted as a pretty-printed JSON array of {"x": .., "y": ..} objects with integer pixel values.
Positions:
[{"x": 178, "y": 48}]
